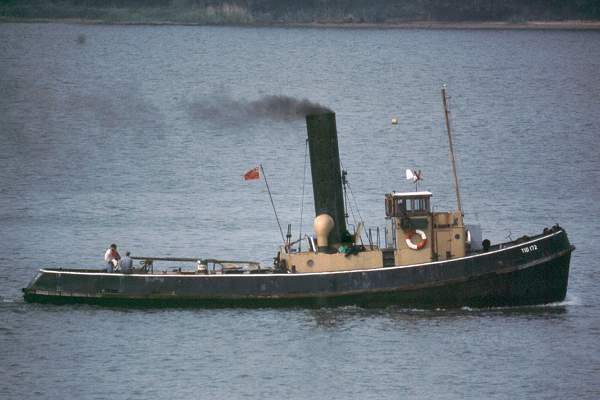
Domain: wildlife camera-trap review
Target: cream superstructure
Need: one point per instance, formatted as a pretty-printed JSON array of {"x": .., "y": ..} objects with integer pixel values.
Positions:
[{"x": 418, "y": 236}]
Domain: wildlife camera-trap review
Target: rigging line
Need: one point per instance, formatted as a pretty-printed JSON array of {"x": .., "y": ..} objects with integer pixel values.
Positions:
[
  {"x": 355, "y": 203},
  {"x": 353, "y": 198},
  {"x": 346, "y": 206},
  {"x": 349, "y": 204},
  {"x": 272, "y": 203},
  {"x": 357, "y": 210},
  {"x": 302, "y": 199},
  {"x": 354, "y": 219}
]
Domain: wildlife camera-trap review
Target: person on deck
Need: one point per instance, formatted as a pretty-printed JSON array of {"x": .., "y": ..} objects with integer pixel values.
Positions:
[
  {"x": 126, "y": 264},
  {"x": 111, "y": 257}
]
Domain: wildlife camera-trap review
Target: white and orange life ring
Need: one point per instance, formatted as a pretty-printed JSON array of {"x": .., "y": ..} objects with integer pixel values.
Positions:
[{"x": 417, "y": 246}]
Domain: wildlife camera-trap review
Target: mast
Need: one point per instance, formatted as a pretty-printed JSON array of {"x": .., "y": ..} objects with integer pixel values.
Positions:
[{"x": 446, "y": 112}]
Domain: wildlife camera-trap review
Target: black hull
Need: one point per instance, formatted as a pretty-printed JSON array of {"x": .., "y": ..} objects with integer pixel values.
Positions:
[{"x": 533, "y": 272}]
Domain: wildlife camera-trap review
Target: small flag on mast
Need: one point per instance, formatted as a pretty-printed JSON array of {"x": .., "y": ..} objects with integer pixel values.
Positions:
[{"x": 252, "y": 174}]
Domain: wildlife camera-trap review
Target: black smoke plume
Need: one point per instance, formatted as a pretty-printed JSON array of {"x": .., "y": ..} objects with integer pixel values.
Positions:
[{"x": 279, "y": 108}]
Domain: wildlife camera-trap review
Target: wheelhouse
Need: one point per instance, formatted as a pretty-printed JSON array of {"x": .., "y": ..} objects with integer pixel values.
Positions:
[{"x": 410, "y": 203}]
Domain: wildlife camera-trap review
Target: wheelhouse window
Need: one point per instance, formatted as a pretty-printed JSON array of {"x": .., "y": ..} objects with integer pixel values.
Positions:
[{"x": 400, "y": 204}]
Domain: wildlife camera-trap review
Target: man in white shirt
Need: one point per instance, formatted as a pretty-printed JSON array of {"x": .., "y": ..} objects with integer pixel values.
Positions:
[{"x": 111, "y": 257}]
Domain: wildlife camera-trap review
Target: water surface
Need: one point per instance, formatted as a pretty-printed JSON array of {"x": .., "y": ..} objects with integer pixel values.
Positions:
[{"x": 102, "y": 142}]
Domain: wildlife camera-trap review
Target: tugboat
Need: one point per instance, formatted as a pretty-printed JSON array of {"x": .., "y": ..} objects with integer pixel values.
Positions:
[{"x": 428, "y": 259}]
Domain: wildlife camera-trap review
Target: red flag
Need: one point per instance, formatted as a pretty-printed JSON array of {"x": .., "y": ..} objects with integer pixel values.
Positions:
[{"x": 251, "y": 174}]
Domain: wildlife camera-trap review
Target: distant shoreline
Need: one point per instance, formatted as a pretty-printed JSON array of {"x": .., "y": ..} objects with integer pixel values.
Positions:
[
  {"x": 559, "y": 25},
  {"x": 434, "y": 25}
]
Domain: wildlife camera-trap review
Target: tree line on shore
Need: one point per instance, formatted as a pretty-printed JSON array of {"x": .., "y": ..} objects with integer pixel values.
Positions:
[{"x": 301, "y": 11}]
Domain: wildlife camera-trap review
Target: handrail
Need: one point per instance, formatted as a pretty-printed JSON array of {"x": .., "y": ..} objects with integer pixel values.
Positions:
[
  {"x": 188, "y": 259},
  {"x": 213, "y": 260},
  {"x": 165, "y": 258}
]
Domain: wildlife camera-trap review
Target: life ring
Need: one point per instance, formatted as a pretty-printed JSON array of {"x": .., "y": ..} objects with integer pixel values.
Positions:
[{"x": 419, "y": 245}]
